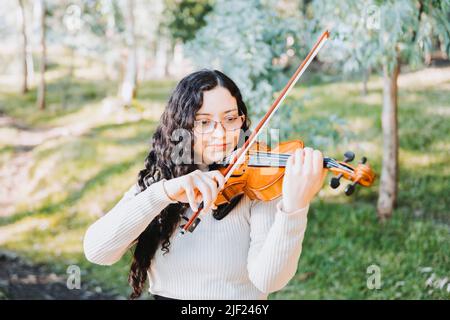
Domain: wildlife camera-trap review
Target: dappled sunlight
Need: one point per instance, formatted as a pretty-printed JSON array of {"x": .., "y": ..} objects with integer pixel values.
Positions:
[
  {"x": 425, "y": 78},
  {"x": 372, "y": 98},
  {"x": 365, "y": 148},
  {"x": 80, "y": 163},
  {"x": 441, "y": 146},
  {"x": 66, "y": 242},
  {"x": 20, "y": 229},
  {"x": 153, "y": 110},
  {"x": 439, "y": 111},
  {"x": 97, "y": 201},
  {"x": 419, "y": 160},
  {"x": 334, "y": 91},
  {"x": 334, "y": 195},
  {"x": 360, "y": 124},
  {"x": 419, "y": 79}
]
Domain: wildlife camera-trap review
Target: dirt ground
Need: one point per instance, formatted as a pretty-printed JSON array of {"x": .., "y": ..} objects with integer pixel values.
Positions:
[{"x": 22, "y": 280}]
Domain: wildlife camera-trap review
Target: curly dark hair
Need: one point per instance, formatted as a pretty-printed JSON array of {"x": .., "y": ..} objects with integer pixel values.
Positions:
[{"x": 184, "y": 102}]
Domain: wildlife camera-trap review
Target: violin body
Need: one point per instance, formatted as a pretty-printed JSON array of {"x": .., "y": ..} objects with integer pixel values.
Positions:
[{"x": 260, "y": 181}]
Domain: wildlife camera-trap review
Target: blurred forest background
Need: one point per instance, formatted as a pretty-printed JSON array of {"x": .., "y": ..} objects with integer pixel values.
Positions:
[{"x": 83, "y": 83}]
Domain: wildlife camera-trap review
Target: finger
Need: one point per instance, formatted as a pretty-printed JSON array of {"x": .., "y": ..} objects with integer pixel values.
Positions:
[
  {"x": 290, "y": 163},
  {"x": 324, "y": 175},
  {"x": 307, "y": 162},
  {"x": 218, "y": 177},
  {"x": 190, "y": 194},
  {"x": 212, "y": 185},
  {"x": 299, "y": 159},
  {"x": 220, "y": 180},
  {"x": 317, "y": 162},
  {"x": 204, "y": 189}
]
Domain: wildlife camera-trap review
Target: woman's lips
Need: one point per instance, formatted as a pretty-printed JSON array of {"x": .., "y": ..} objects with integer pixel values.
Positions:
[{"x": 223, "y": 145}]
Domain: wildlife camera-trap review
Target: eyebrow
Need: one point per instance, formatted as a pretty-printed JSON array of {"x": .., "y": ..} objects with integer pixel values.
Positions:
[{"x": 209, "y": 114}]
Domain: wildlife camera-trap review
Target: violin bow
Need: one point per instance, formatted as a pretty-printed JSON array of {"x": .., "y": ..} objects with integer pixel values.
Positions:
[{"x": 240, "y": 155}]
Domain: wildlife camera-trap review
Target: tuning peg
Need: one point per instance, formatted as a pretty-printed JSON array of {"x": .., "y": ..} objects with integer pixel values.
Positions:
[
  {"x": 349, "y": 156},
  {"x": 335, "y": 181},
  {"x": 363, "y": 160},
  {"x": 350, "y": 188}
]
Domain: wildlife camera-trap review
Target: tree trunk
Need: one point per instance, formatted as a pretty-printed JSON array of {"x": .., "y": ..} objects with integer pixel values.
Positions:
[
  {"x": 129, "y": 85},
  {"x": 366, "y": 76},
  {"x": 24, "y": 48},
  {"x": 169, "y": 58},
  {"x": 389, "y": 172},
  {"x": 41, "y": 90}
]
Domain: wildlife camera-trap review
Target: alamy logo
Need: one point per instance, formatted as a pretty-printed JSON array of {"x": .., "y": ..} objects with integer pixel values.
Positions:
[
  {"x": 374, "y": 280},
  {"x": 74, "y": 278}
]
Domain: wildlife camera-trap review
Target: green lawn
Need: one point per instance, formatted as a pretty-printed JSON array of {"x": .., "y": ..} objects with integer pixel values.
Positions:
[{"x": 76, "y": 178}]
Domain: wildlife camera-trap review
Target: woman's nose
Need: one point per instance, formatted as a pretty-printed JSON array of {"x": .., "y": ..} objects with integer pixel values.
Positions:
[{"x": 219, "y": 130}]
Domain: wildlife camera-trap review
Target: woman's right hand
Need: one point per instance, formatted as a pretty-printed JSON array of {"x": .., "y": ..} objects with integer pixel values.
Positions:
[{"x": 196, "y": 187}]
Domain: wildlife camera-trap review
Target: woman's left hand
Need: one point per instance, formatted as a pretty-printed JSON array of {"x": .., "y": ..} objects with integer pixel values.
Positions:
[{"x": 303, "y": 178}]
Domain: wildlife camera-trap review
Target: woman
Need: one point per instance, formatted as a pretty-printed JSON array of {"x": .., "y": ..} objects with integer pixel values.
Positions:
[{"x": 242, "y": 250}]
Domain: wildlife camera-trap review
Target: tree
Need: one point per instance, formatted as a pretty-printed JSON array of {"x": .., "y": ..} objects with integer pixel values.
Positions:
[
  {"x": 24, "y": 47},
  {"x": 43, "y": 64},
  {"x": 428, "y": 18},
  {"x": 403, "y": 35},
  {"x": 353, "y": 24},
  {"x": 181, "y": 19},
  {"x": 128, "y": 89}
]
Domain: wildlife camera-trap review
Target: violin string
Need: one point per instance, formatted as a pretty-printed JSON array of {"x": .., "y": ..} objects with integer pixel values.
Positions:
[{"x": 281, "y": 158}]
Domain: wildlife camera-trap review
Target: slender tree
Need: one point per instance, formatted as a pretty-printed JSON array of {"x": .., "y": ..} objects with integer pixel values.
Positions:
[
  {"x": 393, "y": 33},
  {"x": 24, "y": 47},
  {"x": 43, "y": 64},
  {"x": 128, "y": 89}
]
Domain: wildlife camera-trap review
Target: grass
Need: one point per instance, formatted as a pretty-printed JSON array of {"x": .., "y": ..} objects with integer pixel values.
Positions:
[
  {"x": 77, "y": 178},
  {"x": 342, "y": 242}
]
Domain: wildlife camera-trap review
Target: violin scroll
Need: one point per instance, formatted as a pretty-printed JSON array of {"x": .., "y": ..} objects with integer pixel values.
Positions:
[{"x": 362, "y": 174}]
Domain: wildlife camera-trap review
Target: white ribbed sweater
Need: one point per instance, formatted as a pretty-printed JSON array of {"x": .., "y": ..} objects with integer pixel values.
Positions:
[{"x": 250, "y": 253}]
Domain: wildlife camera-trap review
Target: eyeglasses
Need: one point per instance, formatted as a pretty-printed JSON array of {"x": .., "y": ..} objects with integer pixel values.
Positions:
[{"x": 230, "y": 123}]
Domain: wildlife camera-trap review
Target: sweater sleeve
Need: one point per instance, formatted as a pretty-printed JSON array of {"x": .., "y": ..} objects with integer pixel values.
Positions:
[
  {"x": 275, "y": 244},
  {"x": 107, "y": 239}
]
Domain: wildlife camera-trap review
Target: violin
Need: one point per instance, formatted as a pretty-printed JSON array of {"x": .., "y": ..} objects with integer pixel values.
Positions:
[
  {"x": 260, "y": 176},
  {"x": 253, "y": 172}
]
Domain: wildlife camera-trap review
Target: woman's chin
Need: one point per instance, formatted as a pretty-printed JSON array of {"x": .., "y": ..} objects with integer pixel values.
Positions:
[{"x": 216, "y": 157}]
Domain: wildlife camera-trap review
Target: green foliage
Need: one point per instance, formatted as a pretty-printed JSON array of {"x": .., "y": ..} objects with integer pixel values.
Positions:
[
  {"x": 260, "y": 53},
  {"x": 352, "y": 46},
  {"x": 183, "y": 18},
  {"x": 245, "y": 48},
  {"x": 370, "y": 34},
  {"x": 101, "y": 16}
]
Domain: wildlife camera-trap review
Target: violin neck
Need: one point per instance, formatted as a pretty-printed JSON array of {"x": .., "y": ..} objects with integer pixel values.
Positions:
[{"x": 268, "y": 159}]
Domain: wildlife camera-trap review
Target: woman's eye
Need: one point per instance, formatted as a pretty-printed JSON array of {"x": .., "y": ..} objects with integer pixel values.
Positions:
[
  {"x": 205, "y": 122},
  {"x": 231, "y": 119}
]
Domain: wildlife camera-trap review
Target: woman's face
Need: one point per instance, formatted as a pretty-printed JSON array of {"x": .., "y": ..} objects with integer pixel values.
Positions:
[{"x": 214, "y": 141}]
